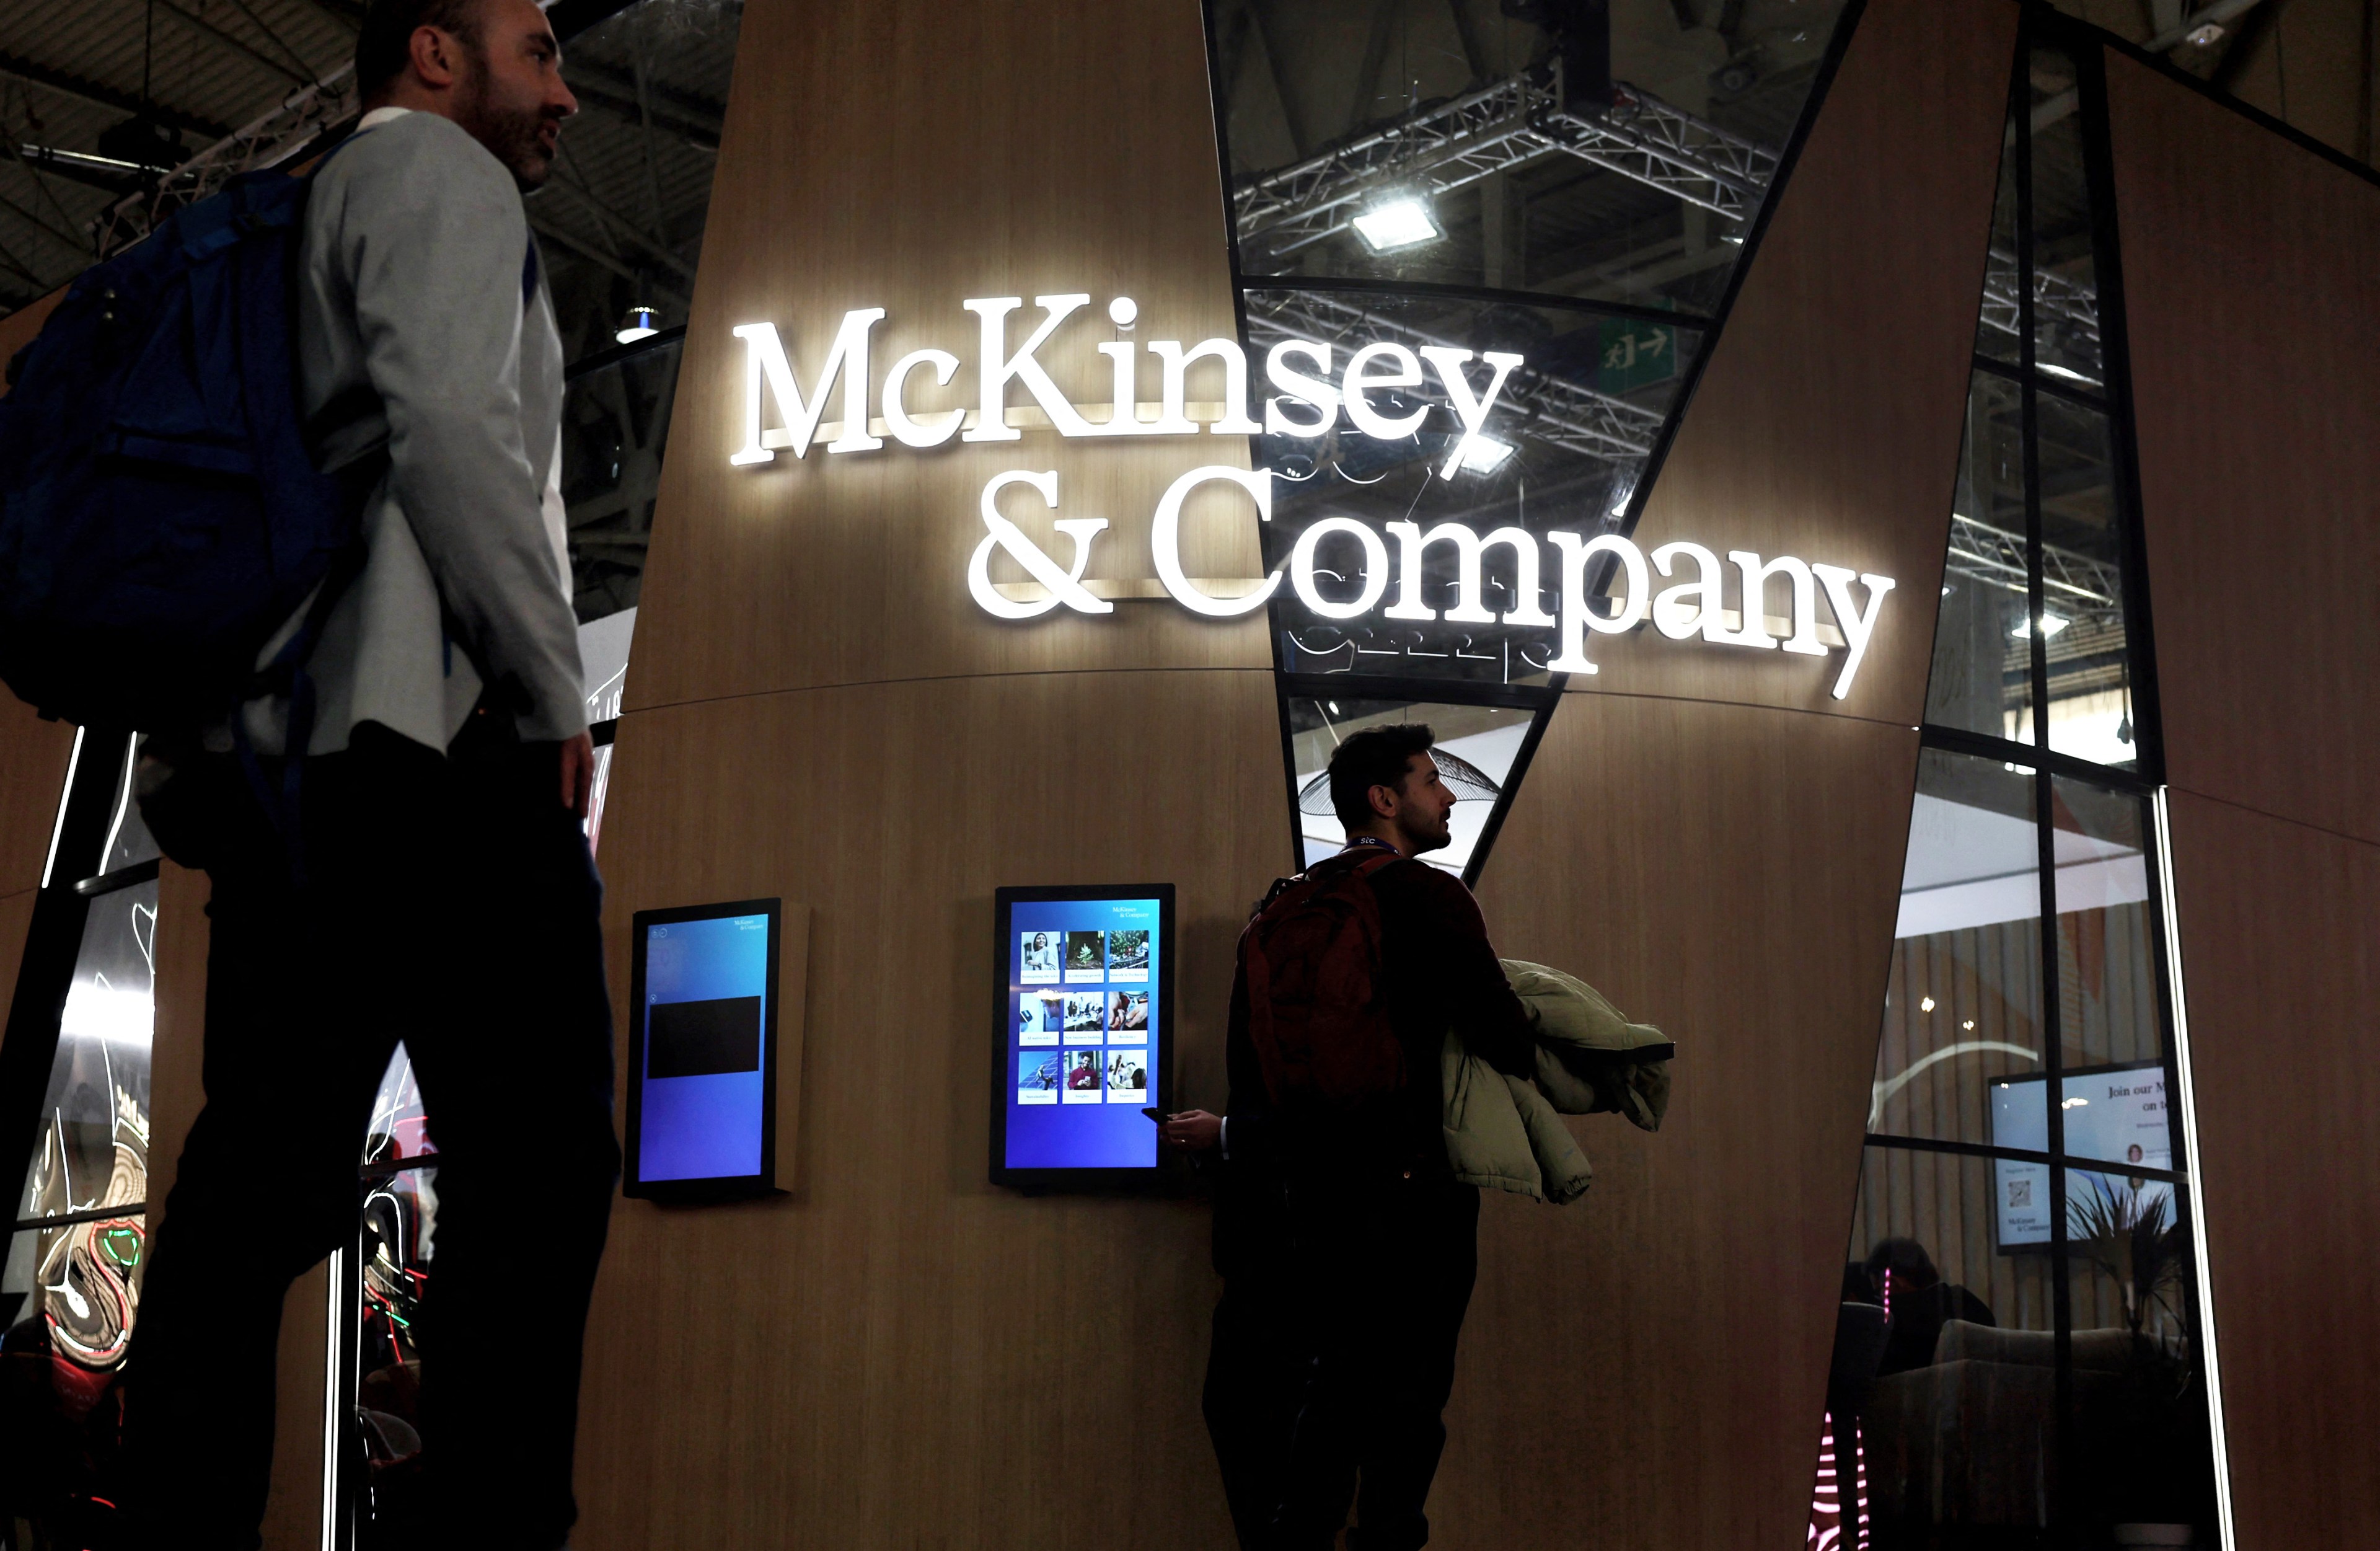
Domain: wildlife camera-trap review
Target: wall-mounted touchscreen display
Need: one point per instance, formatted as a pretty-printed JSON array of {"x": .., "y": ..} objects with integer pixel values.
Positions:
[
  {"x": 2116, "y": 1114},
  {"x": 702, "y": 1079},
  {"x": 1084, "y": 1032}
]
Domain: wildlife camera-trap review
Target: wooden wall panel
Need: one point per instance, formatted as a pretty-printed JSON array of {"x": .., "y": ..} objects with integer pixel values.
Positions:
[
  {"x": 33, "y": 758},
  {"x": 911, "y": 159},
  {"x": 900, "y": 1354},
  {"x": 2258, "y": 465},
  {"x": 2255, "y": 320},
  {"x": 1731, "y": 873},
  {"x": 2282, "y": 975},
  {"x": 1826, "y": 425}
]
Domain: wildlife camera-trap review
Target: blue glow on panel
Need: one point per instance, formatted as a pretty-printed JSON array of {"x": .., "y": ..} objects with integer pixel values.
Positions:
[
  {"x": 707, "y": 1125},
  {"x": 1083, "y": 976}
]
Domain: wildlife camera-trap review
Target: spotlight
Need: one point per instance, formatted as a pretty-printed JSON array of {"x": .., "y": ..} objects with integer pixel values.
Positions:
[
  {"x": 2050, "y": 625},
  {"x": 1402, "y": 222},
  {"x": 2207, "y": 36},
  {"x": 1926, "y": 1005},
  {"x": 1483, "y": 454},
  {"x": 636, "y": 324}
]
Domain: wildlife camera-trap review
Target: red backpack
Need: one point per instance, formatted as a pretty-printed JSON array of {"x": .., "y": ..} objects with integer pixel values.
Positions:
[{"x": 1312, "y": 960}]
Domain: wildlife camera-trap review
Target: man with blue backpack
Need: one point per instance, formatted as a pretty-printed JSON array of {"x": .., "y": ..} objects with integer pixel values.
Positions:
[{"x": 337, "y": 596}]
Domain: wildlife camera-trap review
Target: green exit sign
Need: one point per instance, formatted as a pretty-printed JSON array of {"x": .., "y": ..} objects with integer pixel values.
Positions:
[{"x": 1634, "y": 354}]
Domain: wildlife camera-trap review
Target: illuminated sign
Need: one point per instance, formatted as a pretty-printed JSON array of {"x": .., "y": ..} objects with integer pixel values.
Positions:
[{"x": 1315, "y": 384}]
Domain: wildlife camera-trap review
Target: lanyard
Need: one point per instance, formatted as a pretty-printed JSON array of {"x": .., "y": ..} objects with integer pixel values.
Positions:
[{"x": 1373, "y": 840}]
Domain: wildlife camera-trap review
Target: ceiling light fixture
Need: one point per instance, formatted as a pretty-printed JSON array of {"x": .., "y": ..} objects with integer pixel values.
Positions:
[
  {"x": 1925, "y": 1005},
  {"x": 1484, "y": 454},
  {"x": 1393, "y": 223},
  {"x": 2050, "y": 625},
  {"x": 2066, "y": 371},
  {"x": 637, "y": 323},
  {"x": 2204, "y": 37}
]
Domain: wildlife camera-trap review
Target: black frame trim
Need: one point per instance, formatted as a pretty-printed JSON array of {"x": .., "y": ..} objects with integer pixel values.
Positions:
[
  {"x": 741, "y": 1187},
  {"x": 1165, "y": 1175}
]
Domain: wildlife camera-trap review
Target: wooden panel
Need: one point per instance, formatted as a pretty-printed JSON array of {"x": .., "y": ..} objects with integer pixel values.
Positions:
[
  {"x": 911, "y": 159},
  {"x": 2254, "y": 312},
  {"x": 17, "y": 329},
  {"x": 33, "y": 758},
  {"x": 902, "y": 1354},
  {"x": 1645, "y": 1368},
  {"x": 2283, "y": 981},
  {"x": 1826, "y": 425},
  {"x": 15, "y": 920}
]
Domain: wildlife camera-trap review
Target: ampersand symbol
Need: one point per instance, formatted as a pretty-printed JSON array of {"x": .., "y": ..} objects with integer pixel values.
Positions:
[{"x": 1064, "y": 587}]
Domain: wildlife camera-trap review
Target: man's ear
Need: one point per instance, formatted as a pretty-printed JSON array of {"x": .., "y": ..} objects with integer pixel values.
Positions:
[
  {"x": 432, "y": 55},
  {"x": 1383, "y": 806}
]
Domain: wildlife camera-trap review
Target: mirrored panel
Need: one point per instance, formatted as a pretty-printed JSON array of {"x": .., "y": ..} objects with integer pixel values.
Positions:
[
  {"x": 1983, "y": 666},
  {"x": 1613, "y": 152},
  {"x": 1963, "y": 1009},
  {"x": 2082, "y": 589},
  {"x": 1470, "y": 590},
  {"x": 93, "y": 1148},
  {"x": 2108, "y": 1012},
  {"x": 1475, "y": 749}
]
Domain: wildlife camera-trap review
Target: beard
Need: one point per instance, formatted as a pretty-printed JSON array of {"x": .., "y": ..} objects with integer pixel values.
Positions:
[
  {"x": 514, "y": 136},
  {"x": 1435, "y": 838}
]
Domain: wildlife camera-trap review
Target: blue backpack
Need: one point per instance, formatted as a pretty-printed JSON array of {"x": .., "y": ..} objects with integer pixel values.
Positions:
[{"x": 160, "y": 513}]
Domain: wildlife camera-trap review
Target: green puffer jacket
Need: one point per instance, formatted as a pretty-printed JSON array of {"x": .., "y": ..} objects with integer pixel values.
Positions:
[{"x": 1507, "y": 1131}]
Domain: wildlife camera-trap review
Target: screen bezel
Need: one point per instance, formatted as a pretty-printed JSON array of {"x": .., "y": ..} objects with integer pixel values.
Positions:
[
  {"x": 1003, "y": 1024},
  {"x": 735, "y": 1187}
]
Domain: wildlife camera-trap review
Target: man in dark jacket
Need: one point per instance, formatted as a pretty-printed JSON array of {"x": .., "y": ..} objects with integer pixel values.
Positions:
[{"x": 1347, "y": 1248}]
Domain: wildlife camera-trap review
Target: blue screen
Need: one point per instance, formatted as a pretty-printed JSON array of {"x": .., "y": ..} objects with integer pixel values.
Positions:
[
  {"x": 701, "y": 1107},
  {"x": 1082, "y": 1033}
]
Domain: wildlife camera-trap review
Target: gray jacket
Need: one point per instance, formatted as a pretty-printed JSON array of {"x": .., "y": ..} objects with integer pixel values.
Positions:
[{"x": 412, "y": 333}]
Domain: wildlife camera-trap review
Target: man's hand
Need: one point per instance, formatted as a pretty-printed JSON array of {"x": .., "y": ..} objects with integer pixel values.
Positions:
[
  {"x": 577, "y": 772},
  {"x": 1192, "y": 1131}
]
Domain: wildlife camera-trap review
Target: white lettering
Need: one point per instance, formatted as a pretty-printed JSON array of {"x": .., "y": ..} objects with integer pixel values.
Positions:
[
  {"x": 1472, "y": 412},
  {"x": 1856, "y": 625},
  {"x": 1301, "y": 389},
  {"x": 1064, "y": 587},
  {"x": 1672, "y": 615},
  {"x": 1468, "y": 547},
  {"x": 1369, "y": 421},
  {"x": 765, "y": 363},
  {"x": 1124, "y": 392},
  {"x": 1802, "y": 622},
  {"x": 1578, "y": 614},
  {"x": 1165, "y": 539},
  {"x": 1175, "y": 420},
  {"x": 910, "y": 433},
  {"x": 998, "y": 367},
  {"x": 1302, "y": 568}
]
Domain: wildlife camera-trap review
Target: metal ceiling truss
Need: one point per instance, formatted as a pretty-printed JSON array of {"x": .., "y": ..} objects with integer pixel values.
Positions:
[
  {"x": 1995, "y": 556},
  {"x": 1507, "y": 124},
  {"x": 1552, "y": 409},
  {"x": 1520, "y": 120},
  {"x": 279, "y": 136}
]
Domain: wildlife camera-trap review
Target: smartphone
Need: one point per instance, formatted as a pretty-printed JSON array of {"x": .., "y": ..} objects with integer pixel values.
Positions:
[{"x": 1156, "y": 1116}]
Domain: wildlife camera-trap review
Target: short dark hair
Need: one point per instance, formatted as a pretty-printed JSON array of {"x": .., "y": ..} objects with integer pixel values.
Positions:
[
  {"x": 384, "y": 43},
  {"x": 1374, "y": 757}
]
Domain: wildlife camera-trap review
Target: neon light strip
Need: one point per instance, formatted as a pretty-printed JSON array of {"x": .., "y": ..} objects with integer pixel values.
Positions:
[
  {"x": 333, "y": 1354},
  {"x": 58, "y": 829},
  {"x": 2197, "y": 1172}
]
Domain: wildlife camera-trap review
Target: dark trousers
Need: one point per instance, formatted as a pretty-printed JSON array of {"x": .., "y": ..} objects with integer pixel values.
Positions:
[
  {"x": 450, "y": 903},
  {"x": 1333, "y": 1360}
]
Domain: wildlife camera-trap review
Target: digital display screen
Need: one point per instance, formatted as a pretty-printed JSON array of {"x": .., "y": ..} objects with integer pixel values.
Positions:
[
  {"x": 2115, "y": 1113},
  {"x": 702, "y": 1057},
  {"x": 1085, "y": 1003}
]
